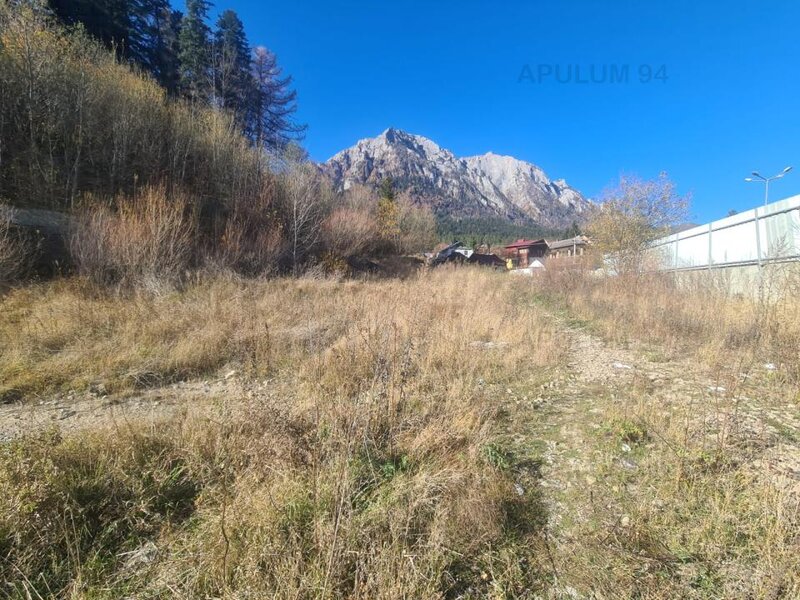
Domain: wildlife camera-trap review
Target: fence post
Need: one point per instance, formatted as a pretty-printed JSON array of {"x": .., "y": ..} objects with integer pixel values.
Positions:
[
  {"x": 758, "y": 237},
  {"x": 710, "y": 253}
]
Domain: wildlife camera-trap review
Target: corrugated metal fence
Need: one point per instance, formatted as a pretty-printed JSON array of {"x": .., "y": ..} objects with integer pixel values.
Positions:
[{"x": 759, "y": 236}]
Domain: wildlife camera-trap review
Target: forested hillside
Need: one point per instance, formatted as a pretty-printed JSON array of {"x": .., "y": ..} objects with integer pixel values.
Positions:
[
  {"x": 496, "y": 231},
  {"x": 210, "y": 65},
  {"x": 199, "y": 168},
  {"x": 75, "y": 120}
]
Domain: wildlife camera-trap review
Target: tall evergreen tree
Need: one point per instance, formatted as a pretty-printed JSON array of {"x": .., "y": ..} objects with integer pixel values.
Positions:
[
  {"x": 167, "y": 52},
  {"x": 386, "y": 188},
  {"x": 110, "y": 21},
  {"x": 195, "y": 52},
  {"x": 158, "y": 27},
  {"x": 574, "y": 230},
  {"x": 232, "y": 77},
  {"x": 388, "y": 212},
  {"x": 141, "y": 31},
  {"x": 273, "y": 104}
]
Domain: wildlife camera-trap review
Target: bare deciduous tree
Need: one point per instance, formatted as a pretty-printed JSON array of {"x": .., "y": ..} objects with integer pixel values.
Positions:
[
  {"x": 305, "y": 200},
  {"x": 633, "y": 214}
]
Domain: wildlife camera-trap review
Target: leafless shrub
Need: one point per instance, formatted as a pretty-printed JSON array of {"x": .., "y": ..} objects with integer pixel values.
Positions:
[
  {"x": 14, "y": 252},
  {"x": 251, "y": 241},
  {"x": 349, "y": 232},
  {"x": 352, "y": 227},
  {"x": 150, "y": 237},
  {"x": 417, "y": 226}
]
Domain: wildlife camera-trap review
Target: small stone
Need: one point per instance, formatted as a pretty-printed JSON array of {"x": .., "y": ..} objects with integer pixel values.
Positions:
[
  {"x": 625, "y": 521},
  {"x": 626, "y": 448},
  {"x": 229, "y": 374},
  {"x": 98, "y": 389},
  {"x": 140, "y": 557},
  {"x": 519, "y": 489}
]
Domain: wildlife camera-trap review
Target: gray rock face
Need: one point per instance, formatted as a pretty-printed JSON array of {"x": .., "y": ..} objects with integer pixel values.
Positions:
[{"x": 478, "y": 186}]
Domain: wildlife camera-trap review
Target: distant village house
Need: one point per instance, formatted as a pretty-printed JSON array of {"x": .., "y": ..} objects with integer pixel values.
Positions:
[
  {"x": 459, "y": 253},
  {"x": 532, "y": 255},
  {"x": 523, "y": 252},
  {"x": 575, "y": 246}
]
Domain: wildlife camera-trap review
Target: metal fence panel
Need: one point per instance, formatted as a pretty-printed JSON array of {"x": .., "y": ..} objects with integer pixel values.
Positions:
[{"x": 757, "y": 236}]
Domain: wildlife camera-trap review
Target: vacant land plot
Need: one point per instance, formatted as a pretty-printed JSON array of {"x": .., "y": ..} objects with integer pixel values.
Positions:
[{"x": 460, "y": 434}]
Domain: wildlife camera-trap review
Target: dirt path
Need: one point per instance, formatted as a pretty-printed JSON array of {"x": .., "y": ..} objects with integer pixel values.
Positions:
[
  {"x": 72, "y": 411},
  {"x": 615, "y": 425}
]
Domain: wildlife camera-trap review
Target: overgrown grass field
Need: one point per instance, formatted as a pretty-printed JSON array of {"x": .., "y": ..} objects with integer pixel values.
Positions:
[
  {"x": 368, "y": 465},
  {"x": 456, "y": 434}
]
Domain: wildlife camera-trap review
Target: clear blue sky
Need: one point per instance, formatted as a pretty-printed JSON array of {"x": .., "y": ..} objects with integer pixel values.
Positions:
[{"x": 450, "y": 71}]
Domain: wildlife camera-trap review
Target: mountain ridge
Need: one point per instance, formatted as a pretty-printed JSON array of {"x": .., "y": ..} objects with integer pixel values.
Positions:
[{"x": 486, "y": 185}]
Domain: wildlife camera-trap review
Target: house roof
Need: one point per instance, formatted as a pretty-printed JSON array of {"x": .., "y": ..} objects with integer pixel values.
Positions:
[
  {"x": 486, "y": 259},
  {"x": 526, "y": 244},
  {"x": 453, "y": 246},
  {"x": 578, "y": 240},
  {"x": 452, "y": 252}
]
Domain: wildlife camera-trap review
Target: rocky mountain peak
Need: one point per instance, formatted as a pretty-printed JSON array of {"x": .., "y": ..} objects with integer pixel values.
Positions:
[{"x": 488, "y": 185}]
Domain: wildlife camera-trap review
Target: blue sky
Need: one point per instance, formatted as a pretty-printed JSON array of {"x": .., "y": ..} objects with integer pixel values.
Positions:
[{"x": 451, "y": 71}]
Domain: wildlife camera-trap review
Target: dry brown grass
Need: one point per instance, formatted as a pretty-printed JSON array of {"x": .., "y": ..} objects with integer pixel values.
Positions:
[
  {"x": 374, "y": 464},
  {"x": 667, "y": 496},
  {"x": 392, "y": 440},
  {"x": 725, "y": 324},
  {"x": 688, "y": 469}
]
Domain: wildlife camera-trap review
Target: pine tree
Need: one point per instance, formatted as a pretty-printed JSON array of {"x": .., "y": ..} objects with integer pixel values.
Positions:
[
  {"x": 573, "y": 231},
  {"x": 273, "y": 104},
  {"x": 232, "y": 77},
  {"x": 195, "y": 52},
  {"x": 388, "y": 213},
  {"x": 386, "y": 190},
  {"x": 110, "y": 21},
  {"x": 140, "y": 31},
  {"x": 161, "y": 26}
]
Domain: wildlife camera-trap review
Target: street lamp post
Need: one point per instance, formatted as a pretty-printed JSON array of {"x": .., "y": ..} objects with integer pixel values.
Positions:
[{"x": 758, "y": 177}]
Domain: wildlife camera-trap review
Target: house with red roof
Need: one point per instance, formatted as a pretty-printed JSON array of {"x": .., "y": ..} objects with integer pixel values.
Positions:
[{"x": 523, "y": 252}]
